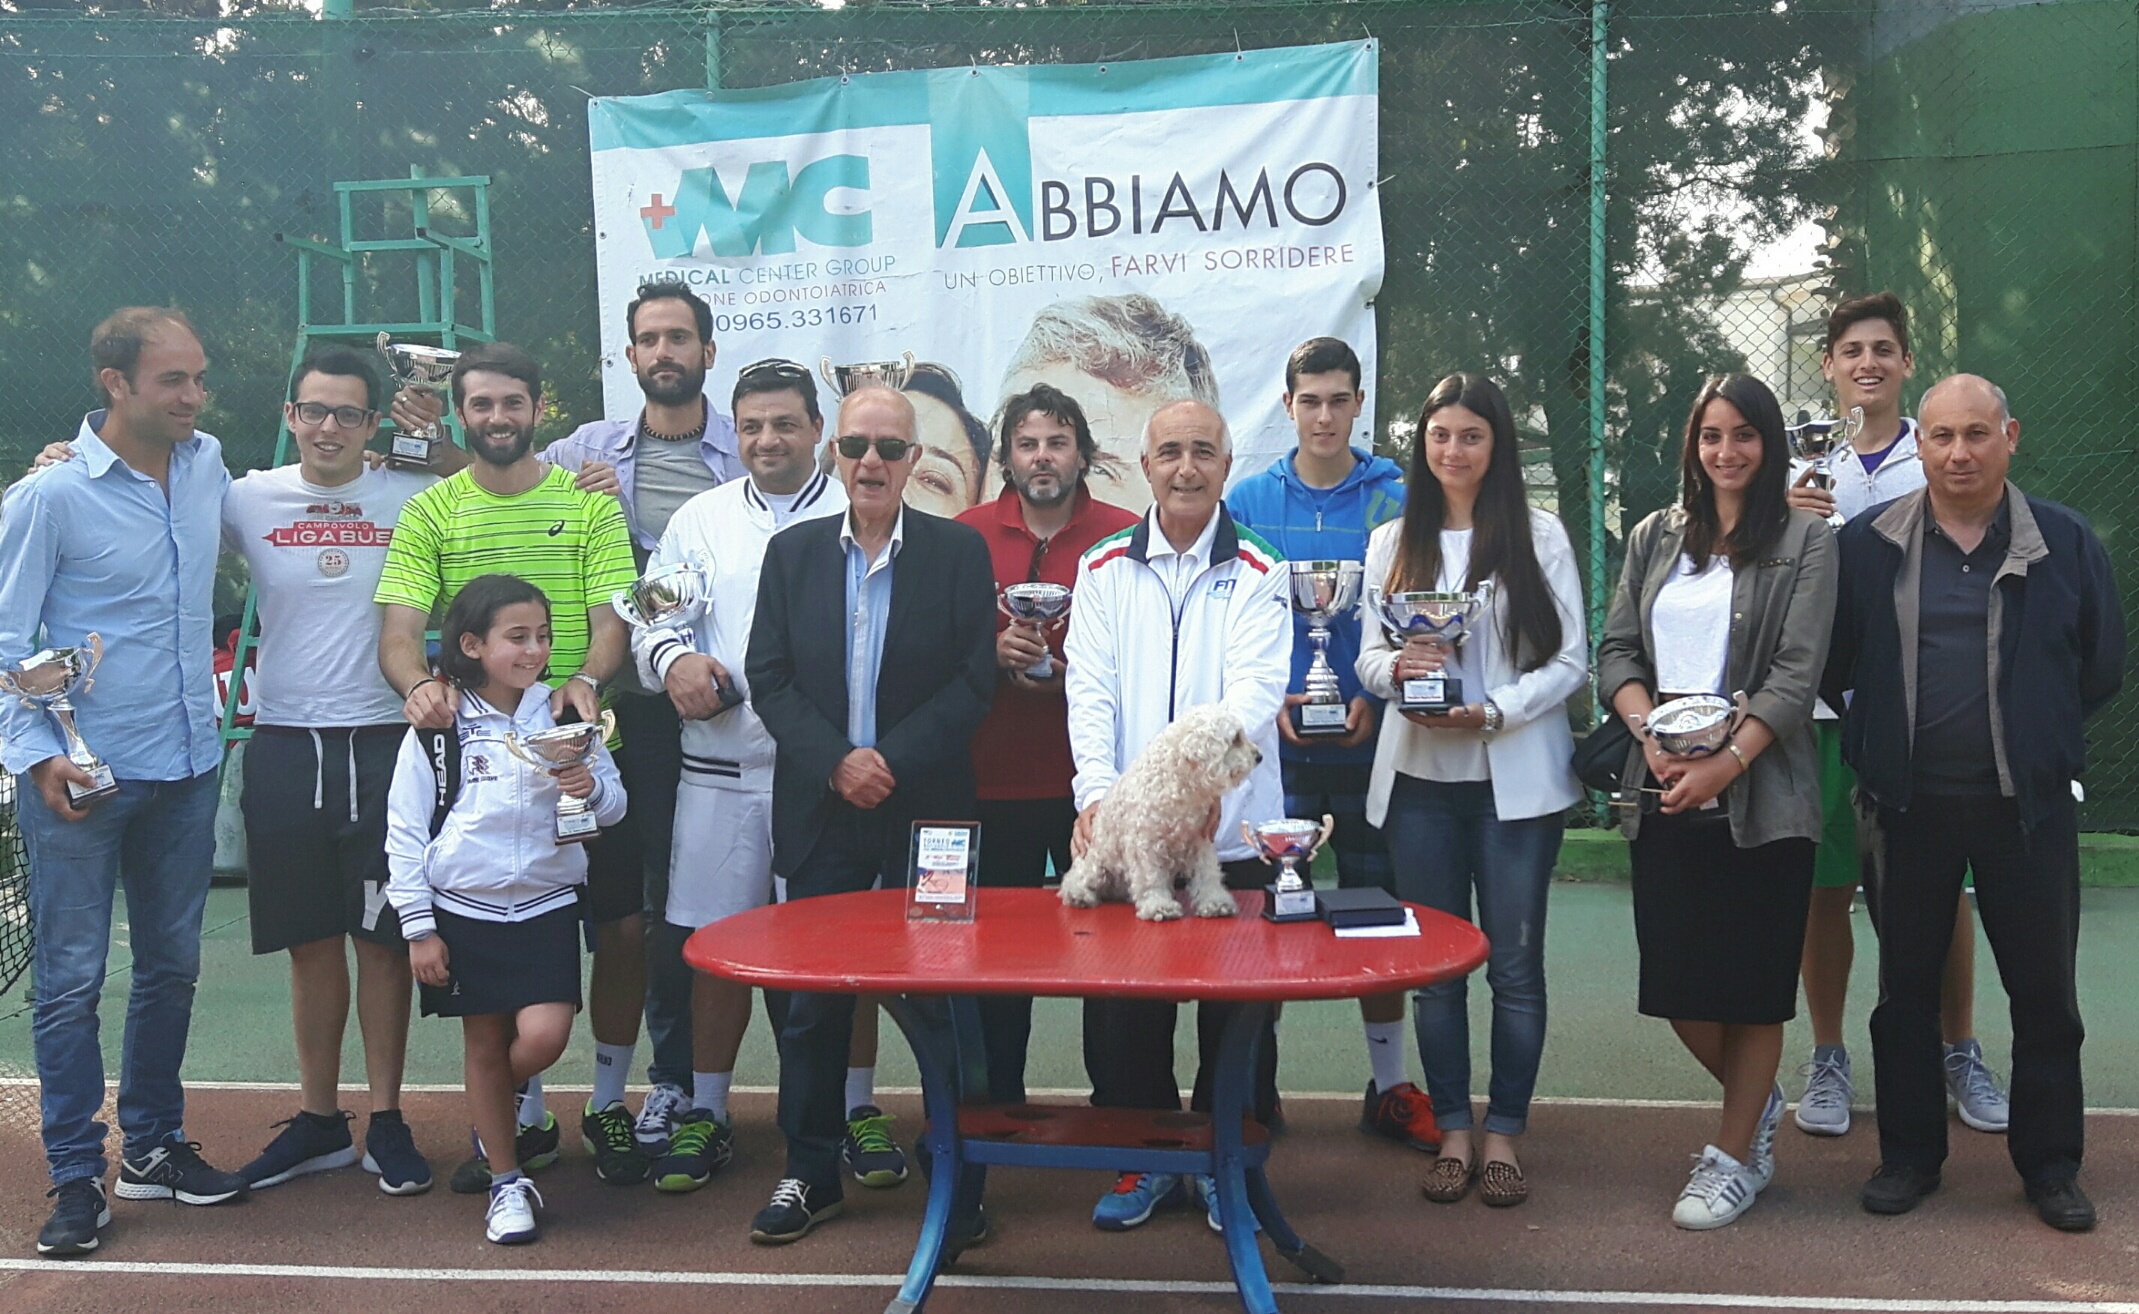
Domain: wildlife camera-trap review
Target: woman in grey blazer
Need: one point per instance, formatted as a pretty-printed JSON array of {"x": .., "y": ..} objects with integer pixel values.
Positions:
[{"x": 1728, "y": 592}]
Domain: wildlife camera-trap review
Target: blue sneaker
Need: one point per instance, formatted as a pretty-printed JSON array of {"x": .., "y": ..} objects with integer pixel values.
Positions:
[
  {"x": 1134, "y": 1197},
  {"x": 1207, "y": 1195},
  {"x": 309, "y": 1143}
]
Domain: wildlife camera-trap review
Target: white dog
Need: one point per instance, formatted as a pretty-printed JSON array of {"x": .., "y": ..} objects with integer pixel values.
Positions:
[{"x": 1155, "y": 824}]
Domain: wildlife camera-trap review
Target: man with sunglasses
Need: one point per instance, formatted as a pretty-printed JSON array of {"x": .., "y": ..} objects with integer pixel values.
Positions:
[
  {"x": 1036, "y": 530},
  {"x": 871, "y": 663}
]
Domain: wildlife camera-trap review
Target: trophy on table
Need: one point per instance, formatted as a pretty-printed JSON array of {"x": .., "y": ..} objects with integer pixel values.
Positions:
[
  {"x": 1443, "y": 619},
  {"x": 1324, "y": 592},
  {"x": 1815, "y": 442},
  {"x": 1041, "y": 606},
  {"x": 844, "y": 379},
  {"x": 672, "y": 598},
  {"x": 415, "y": 365},
  {"x": 1285, "y": 844},
  {"x": 555, "y": 749},
  {"x": 45, "y": 680}
]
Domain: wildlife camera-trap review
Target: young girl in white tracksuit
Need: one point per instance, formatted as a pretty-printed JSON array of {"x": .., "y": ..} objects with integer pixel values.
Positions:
[{"x": 490, "y": 901}]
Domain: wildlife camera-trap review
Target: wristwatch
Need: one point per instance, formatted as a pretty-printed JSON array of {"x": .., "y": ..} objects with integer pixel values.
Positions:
[
  {"x": 1493, "y": 718},
  {"x": 590, "y": 681}
]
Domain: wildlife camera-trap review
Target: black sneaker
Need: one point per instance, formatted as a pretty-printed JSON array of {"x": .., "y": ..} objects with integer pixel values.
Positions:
[
  {"x": 309, "y": 1143},
  {"x": 390, "y": 1152},
  {"x": 2061, "y": 1204},
  {"x": 1896, "y": 1189},
  {"x": 790, "y": 1216},
  {"x": 175, "y": 1170},
  {"x": 533, "y": 1147},
  {"x": 874, "y": 1158},
  {"x": 700, "y": 1146},
  {"x": 607, "y": 1134},
  {"x": 77, "y": 1212}
]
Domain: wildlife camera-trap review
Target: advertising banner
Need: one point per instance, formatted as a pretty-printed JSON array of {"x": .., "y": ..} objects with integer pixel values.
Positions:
[{"x": 1133, "y": 233}]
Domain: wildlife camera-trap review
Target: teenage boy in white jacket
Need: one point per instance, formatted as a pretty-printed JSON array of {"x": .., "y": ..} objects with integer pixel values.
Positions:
[
  {"x": 1182, "y": 609},
  {"x": 722, "y": 859}
]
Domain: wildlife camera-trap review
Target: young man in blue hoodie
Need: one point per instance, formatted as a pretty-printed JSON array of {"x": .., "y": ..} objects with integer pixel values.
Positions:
[{"x": 1319, "y": 503}]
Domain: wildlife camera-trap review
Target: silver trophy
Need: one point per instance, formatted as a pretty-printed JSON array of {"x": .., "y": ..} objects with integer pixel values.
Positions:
[
  {"x": 1285, "y": 844},
  {"x": 45, "y": 680},
  {"x": 669, "y": 597},
  {"x": 555, "y": 749},
  {"x": 414, "y": 365},
  {"x": 1816, "y": 442},
  {"x": 844, "y": 379},
  {"x": 1696, "y": 725},
  {"x": 1324, "y": 592},
  {"x": 1041, "y": 606},
  {"x": 1443, "y": 620}
]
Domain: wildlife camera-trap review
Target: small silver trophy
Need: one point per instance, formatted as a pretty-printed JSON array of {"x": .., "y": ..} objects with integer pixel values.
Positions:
[
  {"x": 1443, "y": 620},
  {"x": 1285, "y": 844},
  {"x": 1324, "y": 592},
  {"x": 1696, "y": 725},
  {"x": 670, "y": 597},
  {"x": 45, "y": 680},
  {"x": 414, "y": 365},
  {"x": 1816, "y": 442},
  {"x": 1041, "y": 606},
  {"x": 555, "y": 749},
  {"x": 844, "y": 379}
]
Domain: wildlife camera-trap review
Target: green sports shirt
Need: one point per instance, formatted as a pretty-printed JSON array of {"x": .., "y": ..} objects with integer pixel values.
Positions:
[{"x": 572, "y": 545}]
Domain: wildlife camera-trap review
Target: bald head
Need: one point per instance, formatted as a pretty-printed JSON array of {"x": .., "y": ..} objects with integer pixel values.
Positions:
[
  {"x": 1966, "y": 435},
  {"x": 1188, "y": 417},
  {"x": 885, "y": 405}
]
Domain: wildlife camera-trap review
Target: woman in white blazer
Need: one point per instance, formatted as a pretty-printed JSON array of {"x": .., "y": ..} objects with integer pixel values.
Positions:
[{"x": 1474, "y": 800}]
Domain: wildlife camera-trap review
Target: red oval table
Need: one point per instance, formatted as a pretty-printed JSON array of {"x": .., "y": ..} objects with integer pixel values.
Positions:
[{"x": 1026, "y": 942}]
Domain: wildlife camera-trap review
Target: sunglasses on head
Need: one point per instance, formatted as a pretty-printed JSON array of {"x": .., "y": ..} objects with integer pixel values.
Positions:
[
  {"x": 773, "y": 367},
  {"x": 854, "y": 448}
]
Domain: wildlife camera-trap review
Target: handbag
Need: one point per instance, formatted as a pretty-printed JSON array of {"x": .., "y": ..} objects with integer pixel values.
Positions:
[{"x": 1600, "y": 759}]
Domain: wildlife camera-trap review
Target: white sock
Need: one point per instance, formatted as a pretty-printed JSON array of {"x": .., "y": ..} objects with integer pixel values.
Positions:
[
  {"x": 612, "y": 1068},
  {"x": 861, "y": 1087},
  {"x": 709, "y": 1091},
  {"x": 531, "y": 1107},
  {"x": 1385, "y": 1050}
]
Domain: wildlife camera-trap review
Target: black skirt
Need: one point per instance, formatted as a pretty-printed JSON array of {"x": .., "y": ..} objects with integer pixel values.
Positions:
[
  {"x": 1720, "y": 928},
  {"x": 502, "y": 967}
]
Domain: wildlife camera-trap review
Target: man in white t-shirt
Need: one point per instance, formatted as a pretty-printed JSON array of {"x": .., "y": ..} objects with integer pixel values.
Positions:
[{"x": 1867, "y": 361}]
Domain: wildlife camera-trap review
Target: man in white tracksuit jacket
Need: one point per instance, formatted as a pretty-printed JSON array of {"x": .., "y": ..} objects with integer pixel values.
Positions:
[
  {"x": 721, "y": 861},
  {"x": 1183, "y": 609}
]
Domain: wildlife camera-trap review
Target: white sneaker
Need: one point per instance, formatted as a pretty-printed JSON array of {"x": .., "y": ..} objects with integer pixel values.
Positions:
[
  {"x": 1764, "y": 1137},
  {"x": 1975, "y": 1090},
  {"x": 1824, "y": 1110},
  {"x": 511, "y": 1221},
  {"x": 664, "y": 1108},
  {"x": 1720, "y": 1189}
]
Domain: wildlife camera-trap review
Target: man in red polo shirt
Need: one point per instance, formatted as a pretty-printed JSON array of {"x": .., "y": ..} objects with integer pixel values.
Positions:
[{"x": 1044, "y": 521}]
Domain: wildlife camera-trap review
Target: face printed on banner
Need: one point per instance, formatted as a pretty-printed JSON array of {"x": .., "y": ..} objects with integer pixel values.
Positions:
[{"x": 946, "y": 479}]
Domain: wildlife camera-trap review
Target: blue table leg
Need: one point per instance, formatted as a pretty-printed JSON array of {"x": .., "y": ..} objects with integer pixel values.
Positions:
[
  {"x": 1232, "y": 1095},
  {"x": 936, "y": 1055}
]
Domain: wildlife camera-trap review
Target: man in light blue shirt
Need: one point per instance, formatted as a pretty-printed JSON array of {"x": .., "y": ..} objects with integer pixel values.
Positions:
[{"x": 122, "y": 544}]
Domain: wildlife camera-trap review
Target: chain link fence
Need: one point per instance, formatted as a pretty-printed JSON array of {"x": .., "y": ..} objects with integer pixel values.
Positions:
[{"x": 1600, "y": 203}]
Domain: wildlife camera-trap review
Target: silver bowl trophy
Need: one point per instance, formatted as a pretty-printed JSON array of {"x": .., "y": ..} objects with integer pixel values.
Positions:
[
  {"x": 414, "y": 365},
  {"x": 45, "y": 680},
  {"x": 1696, "y": 725},
  {"x": 673, "y": 598},
  {"x": 1815, "y": 442},
  {"x": 1443, "y": 619},
  {"x": 1324, "y": 592},
  {"x": 555, "y": 749},
  {"x": 1285, "y": 844},
  {"x": 844, "y": 379},
  {"x": 1042, "y": 607}
]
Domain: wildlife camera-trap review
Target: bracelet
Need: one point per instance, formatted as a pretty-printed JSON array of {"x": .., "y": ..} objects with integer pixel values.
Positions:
[
  {"x": 592, "y": 683},
  {"x": 1493, "y": 718},
  {"x": 428, "y": 679},
  {"x": 1743, "y": 765}
]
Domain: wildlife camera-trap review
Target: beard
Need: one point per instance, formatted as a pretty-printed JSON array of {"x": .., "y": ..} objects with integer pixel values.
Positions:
[
  {"x": 663, "y": 392},
  {"x": 486, "y": 447},
  {"x": 1065, "y": 487}
]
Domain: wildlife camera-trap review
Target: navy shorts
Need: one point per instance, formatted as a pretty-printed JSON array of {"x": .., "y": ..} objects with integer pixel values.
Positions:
[{"x": 315, "y": 834}]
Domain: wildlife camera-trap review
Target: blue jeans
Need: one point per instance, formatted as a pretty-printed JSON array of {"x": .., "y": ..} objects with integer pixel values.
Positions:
[
  {"x": 157, "y": 838},
  {"x": 1445, "y": 839}
]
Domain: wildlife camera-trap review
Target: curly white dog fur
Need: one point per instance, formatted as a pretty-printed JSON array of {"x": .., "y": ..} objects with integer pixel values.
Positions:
[{"x": 1155, "y": 823}]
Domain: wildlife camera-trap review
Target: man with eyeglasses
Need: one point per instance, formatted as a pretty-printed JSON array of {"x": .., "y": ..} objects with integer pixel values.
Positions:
[
  {"x": 328, "y": 725},
  {"x": 1036, "y": 530},
  {"x": 871, "y": 663}
]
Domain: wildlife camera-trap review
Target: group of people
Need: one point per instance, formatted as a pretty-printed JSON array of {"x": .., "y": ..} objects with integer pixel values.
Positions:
[{"x": 1914, "y": 689}]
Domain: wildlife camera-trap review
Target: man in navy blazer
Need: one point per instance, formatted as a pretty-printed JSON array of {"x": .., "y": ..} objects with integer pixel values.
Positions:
[{"x": 872, "y": 663}]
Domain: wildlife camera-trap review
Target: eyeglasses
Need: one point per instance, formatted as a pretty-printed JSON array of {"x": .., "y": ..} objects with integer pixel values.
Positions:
[
  {"x": 773, "y": 367},
  {"x": 855, "y": 448},
  {"x": 344, "y": 417}
]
